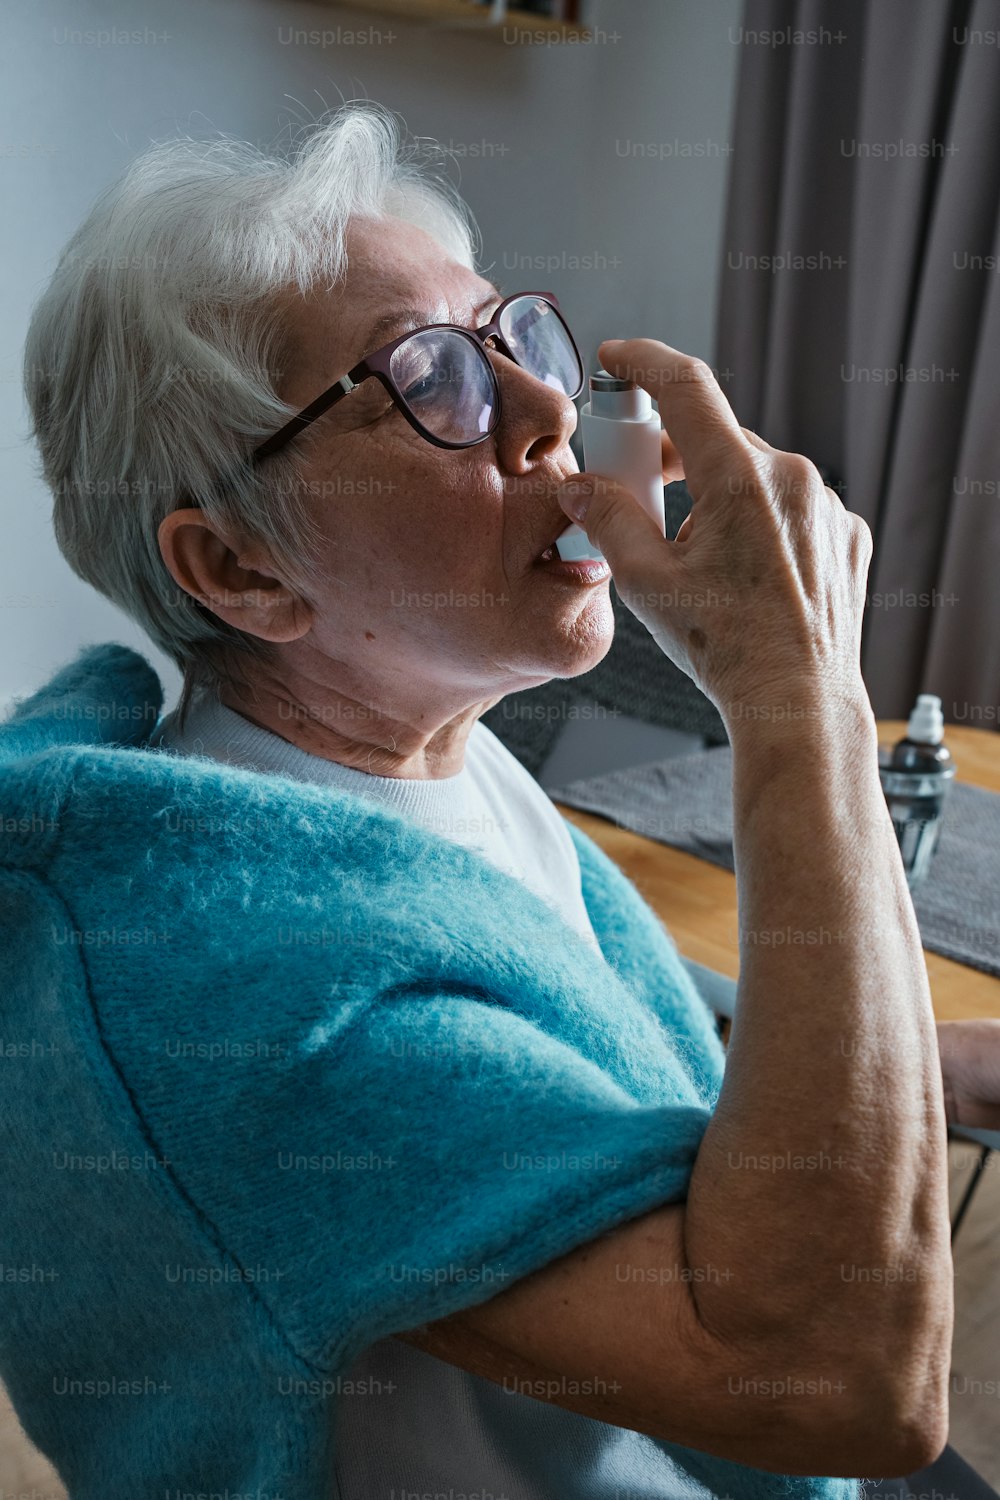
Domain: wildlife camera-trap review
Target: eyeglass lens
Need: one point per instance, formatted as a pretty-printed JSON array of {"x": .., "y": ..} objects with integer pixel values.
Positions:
[
  {"x": 536, "y": 336},
  {"x": 448, "y": 383}
]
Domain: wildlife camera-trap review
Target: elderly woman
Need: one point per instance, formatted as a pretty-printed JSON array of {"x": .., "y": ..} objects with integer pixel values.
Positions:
[{"x": 384, "y": 1146}]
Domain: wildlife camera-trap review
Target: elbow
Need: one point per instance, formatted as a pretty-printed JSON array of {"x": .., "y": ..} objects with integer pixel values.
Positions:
[
  {"x": 924, "y": 1448},
  {"x": 866, "y": 1393},
  {"x": 894, "y": 1428},
  {"x": 915, "y": 1375},
  {"x": 898, "y": 1377},
  {"x": 899, "y": 1447},
  {"x": 890, "y": 1414},
  {"x": 919, "y": 1417}
]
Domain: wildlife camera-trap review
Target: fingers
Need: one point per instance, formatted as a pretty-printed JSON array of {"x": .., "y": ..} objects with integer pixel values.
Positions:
[
  {"x": 616, "y": 523},
  {"x": 703, "y": 430},
  {"x": 673, "y": 468},
  {"x": 758, "y": 442},
  {"x": 673, "y": 464}
]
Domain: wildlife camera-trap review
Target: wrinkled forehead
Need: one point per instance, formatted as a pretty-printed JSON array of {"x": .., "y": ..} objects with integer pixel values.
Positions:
[{"x": 398, "y": 277}]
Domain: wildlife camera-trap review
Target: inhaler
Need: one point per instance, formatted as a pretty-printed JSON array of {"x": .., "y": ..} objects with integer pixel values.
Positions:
[{"x": 621, "y": 435}]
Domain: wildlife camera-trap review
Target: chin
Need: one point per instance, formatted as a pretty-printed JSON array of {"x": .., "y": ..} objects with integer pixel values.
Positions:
[{"x": 578, "y": 642}]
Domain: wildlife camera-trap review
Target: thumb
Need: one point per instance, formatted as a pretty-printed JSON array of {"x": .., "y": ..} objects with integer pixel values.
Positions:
[{"x": 615, "y": 522}]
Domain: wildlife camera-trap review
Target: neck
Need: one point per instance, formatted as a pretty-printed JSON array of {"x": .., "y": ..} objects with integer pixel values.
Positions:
[{"x": 415, "y": 745}]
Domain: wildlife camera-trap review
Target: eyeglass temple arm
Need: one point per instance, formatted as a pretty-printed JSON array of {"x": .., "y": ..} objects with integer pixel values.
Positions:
[{"x": 292, "y": 428}]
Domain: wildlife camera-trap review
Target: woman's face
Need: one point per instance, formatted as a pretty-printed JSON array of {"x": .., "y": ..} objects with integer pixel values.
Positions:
[{"x": 428, "y": 554}]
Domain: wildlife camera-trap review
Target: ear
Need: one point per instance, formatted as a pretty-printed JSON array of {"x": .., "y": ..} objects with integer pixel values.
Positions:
[{"x": 232, "y": 578}]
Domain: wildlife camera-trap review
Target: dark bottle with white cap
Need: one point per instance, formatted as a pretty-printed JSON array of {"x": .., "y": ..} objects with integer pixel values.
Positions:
[{"x": 916, "y": 773}]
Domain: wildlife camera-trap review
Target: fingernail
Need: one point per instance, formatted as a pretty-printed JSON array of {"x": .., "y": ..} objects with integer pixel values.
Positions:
[{"x": 575, "y": 497}]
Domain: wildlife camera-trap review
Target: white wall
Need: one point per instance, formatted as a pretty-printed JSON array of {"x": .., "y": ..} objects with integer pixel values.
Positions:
[{"x": 545, "y": 137}]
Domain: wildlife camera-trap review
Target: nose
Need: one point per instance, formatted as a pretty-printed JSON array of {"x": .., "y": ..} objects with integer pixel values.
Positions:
[{"x": 536, "y": 420}]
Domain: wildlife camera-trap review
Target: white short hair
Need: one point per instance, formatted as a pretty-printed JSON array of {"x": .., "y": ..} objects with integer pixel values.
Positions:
[{"x": 151, "y": 359}]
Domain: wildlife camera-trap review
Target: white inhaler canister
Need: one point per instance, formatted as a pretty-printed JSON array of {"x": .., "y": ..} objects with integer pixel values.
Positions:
[{"x": 621, "y": 436}]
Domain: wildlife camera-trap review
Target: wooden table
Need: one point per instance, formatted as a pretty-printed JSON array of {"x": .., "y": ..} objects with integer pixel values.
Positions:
[{"x": 697, "y": 901}]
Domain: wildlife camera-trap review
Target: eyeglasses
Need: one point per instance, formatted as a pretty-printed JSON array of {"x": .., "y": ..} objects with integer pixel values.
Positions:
[{"x": 442, "y": 380}]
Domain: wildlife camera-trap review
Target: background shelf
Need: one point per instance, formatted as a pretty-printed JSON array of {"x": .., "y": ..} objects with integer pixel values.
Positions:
[{"x": 463, "y": 15}]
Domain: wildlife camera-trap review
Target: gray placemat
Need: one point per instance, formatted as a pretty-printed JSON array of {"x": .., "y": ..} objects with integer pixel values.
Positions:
[{"x": 687, "y": 802}]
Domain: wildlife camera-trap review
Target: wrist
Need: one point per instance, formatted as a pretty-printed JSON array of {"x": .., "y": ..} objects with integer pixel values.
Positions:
[
  {"x": 812, "y": 750},
  {"x": 814, "y": 711}
]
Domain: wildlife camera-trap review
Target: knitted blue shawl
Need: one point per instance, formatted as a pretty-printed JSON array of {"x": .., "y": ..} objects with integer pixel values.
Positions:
[{"x": 210, "y": 975}]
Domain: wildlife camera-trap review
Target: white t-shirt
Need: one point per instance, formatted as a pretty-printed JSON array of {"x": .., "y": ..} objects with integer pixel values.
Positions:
[
  {"x": 407, "y": 1423},
  {"x": 493, "y": 804}
]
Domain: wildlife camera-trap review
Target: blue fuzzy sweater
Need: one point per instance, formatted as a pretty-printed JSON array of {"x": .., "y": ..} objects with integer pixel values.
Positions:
[{"x": 273, "y": 1056}]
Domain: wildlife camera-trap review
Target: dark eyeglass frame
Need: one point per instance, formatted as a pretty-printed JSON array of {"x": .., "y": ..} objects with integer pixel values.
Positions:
[{"x": 377, "y": 364}]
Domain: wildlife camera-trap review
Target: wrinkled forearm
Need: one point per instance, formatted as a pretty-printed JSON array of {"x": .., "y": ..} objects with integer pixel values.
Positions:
[{"x": 826, "y": 1161}]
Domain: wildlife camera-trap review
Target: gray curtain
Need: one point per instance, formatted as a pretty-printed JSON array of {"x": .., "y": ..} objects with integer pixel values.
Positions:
[{"x": 873, "y": 147}]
